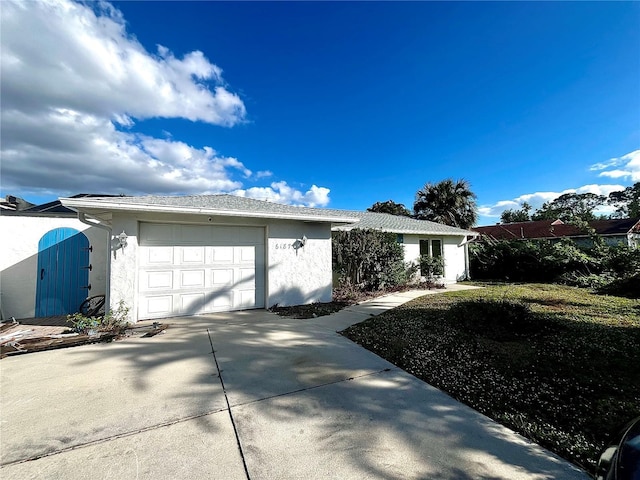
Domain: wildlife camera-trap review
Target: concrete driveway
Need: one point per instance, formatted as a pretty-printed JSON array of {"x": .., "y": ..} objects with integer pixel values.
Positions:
[{"x": 304, "y": 403}]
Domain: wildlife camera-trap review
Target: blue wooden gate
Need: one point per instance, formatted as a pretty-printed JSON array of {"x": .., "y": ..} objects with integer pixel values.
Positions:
[{"x": 63, "y": 272}]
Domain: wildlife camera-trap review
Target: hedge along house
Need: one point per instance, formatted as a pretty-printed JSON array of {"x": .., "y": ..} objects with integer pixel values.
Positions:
[
  {"x": 189, "y": 255},
  {"x": 421, "y": 237}
]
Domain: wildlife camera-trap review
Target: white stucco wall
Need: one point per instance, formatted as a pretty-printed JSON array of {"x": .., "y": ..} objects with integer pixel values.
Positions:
[
  {"x": 124, "y": 266},
  {"x": 19, "y": 259},
  {"x": 292, "y": 276},
  {"x": 303, "y": 275},
  {"x": 454, "y": 261}
]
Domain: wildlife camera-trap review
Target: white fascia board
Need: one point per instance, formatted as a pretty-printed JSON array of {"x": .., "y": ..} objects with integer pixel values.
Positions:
[
  {"x": 416, "y": 232},
  {"x": 438, "y": 234},
  {"x": 79, "y": 204}
]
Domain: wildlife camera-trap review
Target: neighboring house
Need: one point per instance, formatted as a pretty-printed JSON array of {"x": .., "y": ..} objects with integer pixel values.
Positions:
[
  {"x": 421, "y": 237},
  {"x": 50, "y": 260},
  {"x": 187, "y": 255},
  {"x": 617, "y": 231}
]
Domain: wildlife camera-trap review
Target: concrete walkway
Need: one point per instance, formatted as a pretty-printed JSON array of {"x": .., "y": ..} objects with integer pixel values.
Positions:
[{"x": 299, "y": 401}]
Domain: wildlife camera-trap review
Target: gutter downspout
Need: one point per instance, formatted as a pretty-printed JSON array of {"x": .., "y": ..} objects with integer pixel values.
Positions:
[
  {"x": 465, "y": 243},
  {"x": 466, "y": 261},
  {"x": 107, "y": 294}
]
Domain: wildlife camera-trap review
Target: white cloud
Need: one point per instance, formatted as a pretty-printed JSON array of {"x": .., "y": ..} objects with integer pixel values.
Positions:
[
  {"x": 84, "y": 59},
  {"x": 72, "y": 90},
  {"x": 538, "y": 198},
  {"x": 281, "y": 192},
  {"x": 83, "y": 153},
  {"x": 616, "y": 174},
  {"x": 627, "y": 166}
]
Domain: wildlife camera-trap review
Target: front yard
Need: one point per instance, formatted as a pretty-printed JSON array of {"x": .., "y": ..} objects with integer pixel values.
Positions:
[{"x": 557, "y": 364}]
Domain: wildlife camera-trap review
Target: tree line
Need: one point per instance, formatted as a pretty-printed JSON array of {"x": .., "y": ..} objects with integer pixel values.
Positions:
[
  {"x": 448, "y": 202},
  {"x": 579, "y": 206},
  {"x": 453, "y": 203}
]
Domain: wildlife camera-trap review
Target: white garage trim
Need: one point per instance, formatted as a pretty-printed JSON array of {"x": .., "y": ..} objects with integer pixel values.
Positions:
[{"x": 197, "y": 269}]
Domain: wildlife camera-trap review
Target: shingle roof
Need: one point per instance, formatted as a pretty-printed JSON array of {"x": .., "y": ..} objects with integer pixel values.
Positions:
[
  {"x": 555, "y": 229},
  {"x": 243, "y": 205},
  {"x": 213, "y": 204},
  {"x": 57, "y": 207},
  {"x": 399, "y": 224}
]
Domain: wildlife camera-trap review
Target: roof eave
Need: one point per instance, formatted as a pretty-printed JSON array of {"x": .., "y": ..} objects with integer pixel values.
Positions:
[
  {"x": 421, "y": 232},
  {"x": 81, "y": 204}
]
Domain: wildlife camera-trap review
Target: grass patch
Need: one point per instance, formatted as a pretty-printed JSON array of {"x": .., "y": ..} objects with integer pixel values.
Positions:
[{"x": 557, "y": 364}]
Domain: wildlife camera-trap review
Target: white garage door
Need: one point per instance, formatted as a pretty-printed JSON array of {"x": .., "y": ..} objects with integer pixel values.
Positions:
[{"x": 194, "y": 269}]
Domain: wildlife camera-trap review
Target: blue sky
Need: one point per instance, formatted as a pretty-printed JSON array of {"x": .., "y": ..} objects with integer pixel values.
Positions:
[{"x": 330, "y": 104}]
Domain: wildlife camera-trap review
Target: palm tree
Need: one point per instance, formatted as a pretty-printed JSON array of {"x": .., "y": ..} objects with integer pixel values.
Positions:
[{"x": 448, "y": 202}]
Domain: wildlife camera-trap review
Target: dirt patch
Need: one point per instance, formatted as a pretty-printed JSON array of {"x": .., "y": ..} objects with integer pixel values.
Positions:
[{"x": 312, "y": 310}]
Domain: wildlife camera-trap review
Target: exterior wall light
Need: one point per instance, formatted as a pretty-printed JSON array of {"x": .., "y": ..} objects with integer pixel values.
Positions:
[
  {"x": 299, "y": 243},
  {"x": 122, "y": 239}
]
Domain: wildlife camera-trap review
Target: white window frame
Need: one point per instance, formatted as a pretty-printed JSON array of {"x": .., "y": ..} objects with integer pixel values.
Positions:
[{"x": 429, "y": 241}]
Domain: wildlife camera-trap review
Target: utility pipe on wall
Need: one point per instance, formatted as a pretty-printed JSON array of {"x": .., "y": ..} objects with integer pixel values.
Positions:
[{"x": 107, "y": 294}]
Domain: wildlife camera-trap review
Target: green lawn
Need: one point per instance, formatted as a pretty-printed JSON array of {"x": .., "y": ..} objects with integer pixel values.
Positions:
[{"x": 557, "y": 364}]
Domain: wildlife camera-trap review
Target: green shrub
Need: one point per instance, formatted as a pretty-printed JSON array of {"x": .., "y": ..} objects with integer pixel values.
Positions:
[
  {"x": 84, "y": 324},
  {"x": 431, "y": 266},
  {"x": 592, "y": 281},
  {"x": 601, "y": 267},
  {"x": 369, "y": 259},
  {"x": 621, "y": 260},
  {"x": 623, "y": 287},
  {"x": 114, "y": 321}
]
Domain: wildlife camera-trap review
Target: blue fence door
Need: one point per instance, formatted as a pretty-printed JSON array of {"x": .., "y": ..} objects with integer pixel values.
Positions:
[{"x": 63, "y": 272}]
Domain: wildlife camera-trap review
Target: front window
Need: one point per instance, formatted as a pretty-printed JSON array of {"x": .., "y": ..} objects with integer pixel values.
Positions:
[
  {"x": 436, "y": 248},
  {"x": 432, "y": 248}
]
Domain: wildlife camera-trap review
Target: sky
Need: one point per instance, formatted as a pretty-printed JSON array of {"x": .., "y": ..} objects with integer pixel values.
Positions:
[{"x": 322, "y": 104}]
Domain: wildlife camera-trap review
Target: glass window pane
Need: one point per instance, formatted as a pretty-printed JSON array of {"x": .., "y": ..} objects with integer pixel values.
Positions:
[
  {"x": 424, "y": 247},
  {"x": 436, "y": 248}
]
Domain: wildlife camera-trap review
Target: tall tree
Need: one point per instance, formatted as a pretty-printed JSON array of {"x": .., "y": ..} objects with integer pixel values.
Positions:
[
  {"x": 513, "y": 216},
  {"x": 448, "y": 202},
  {"x": 570, "y": 207},
  {"x": 627, "y": 202},
  {"x": 390, "y": 207}
]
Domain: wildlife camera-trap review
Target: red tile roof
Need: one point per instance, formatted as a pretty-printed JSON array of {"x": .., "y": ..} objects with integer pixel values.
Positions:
[{"x": 557, "y": 229}]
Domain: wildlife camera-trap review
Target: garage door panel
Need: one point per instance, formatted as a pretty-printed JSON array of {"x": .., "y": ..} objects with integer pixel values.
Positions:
[
  {"x": 222, "y": 255},
  {"x": 221, "y": 277},
  {"x": 219, "y": 301},
  {"x": 247, "y": 277},
  {"x": 192, "y": 278},
  {"x": 161, "y": 279},
  {"x": 246, "y": 298},
  {"x": 191, "y": 303},
  {"x": 245, "y": 254},
  {"x": 158, "y": 256},
  {"x": 187, "y": 269},
  {"x": 160, "y": 305},
  {"x": 191, "y": 255}
]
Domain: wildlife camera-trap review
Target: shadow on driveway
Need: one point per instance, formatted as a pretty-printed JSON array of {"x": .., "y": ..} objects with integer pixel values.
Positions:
[{"x": 306, "y": 402}]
